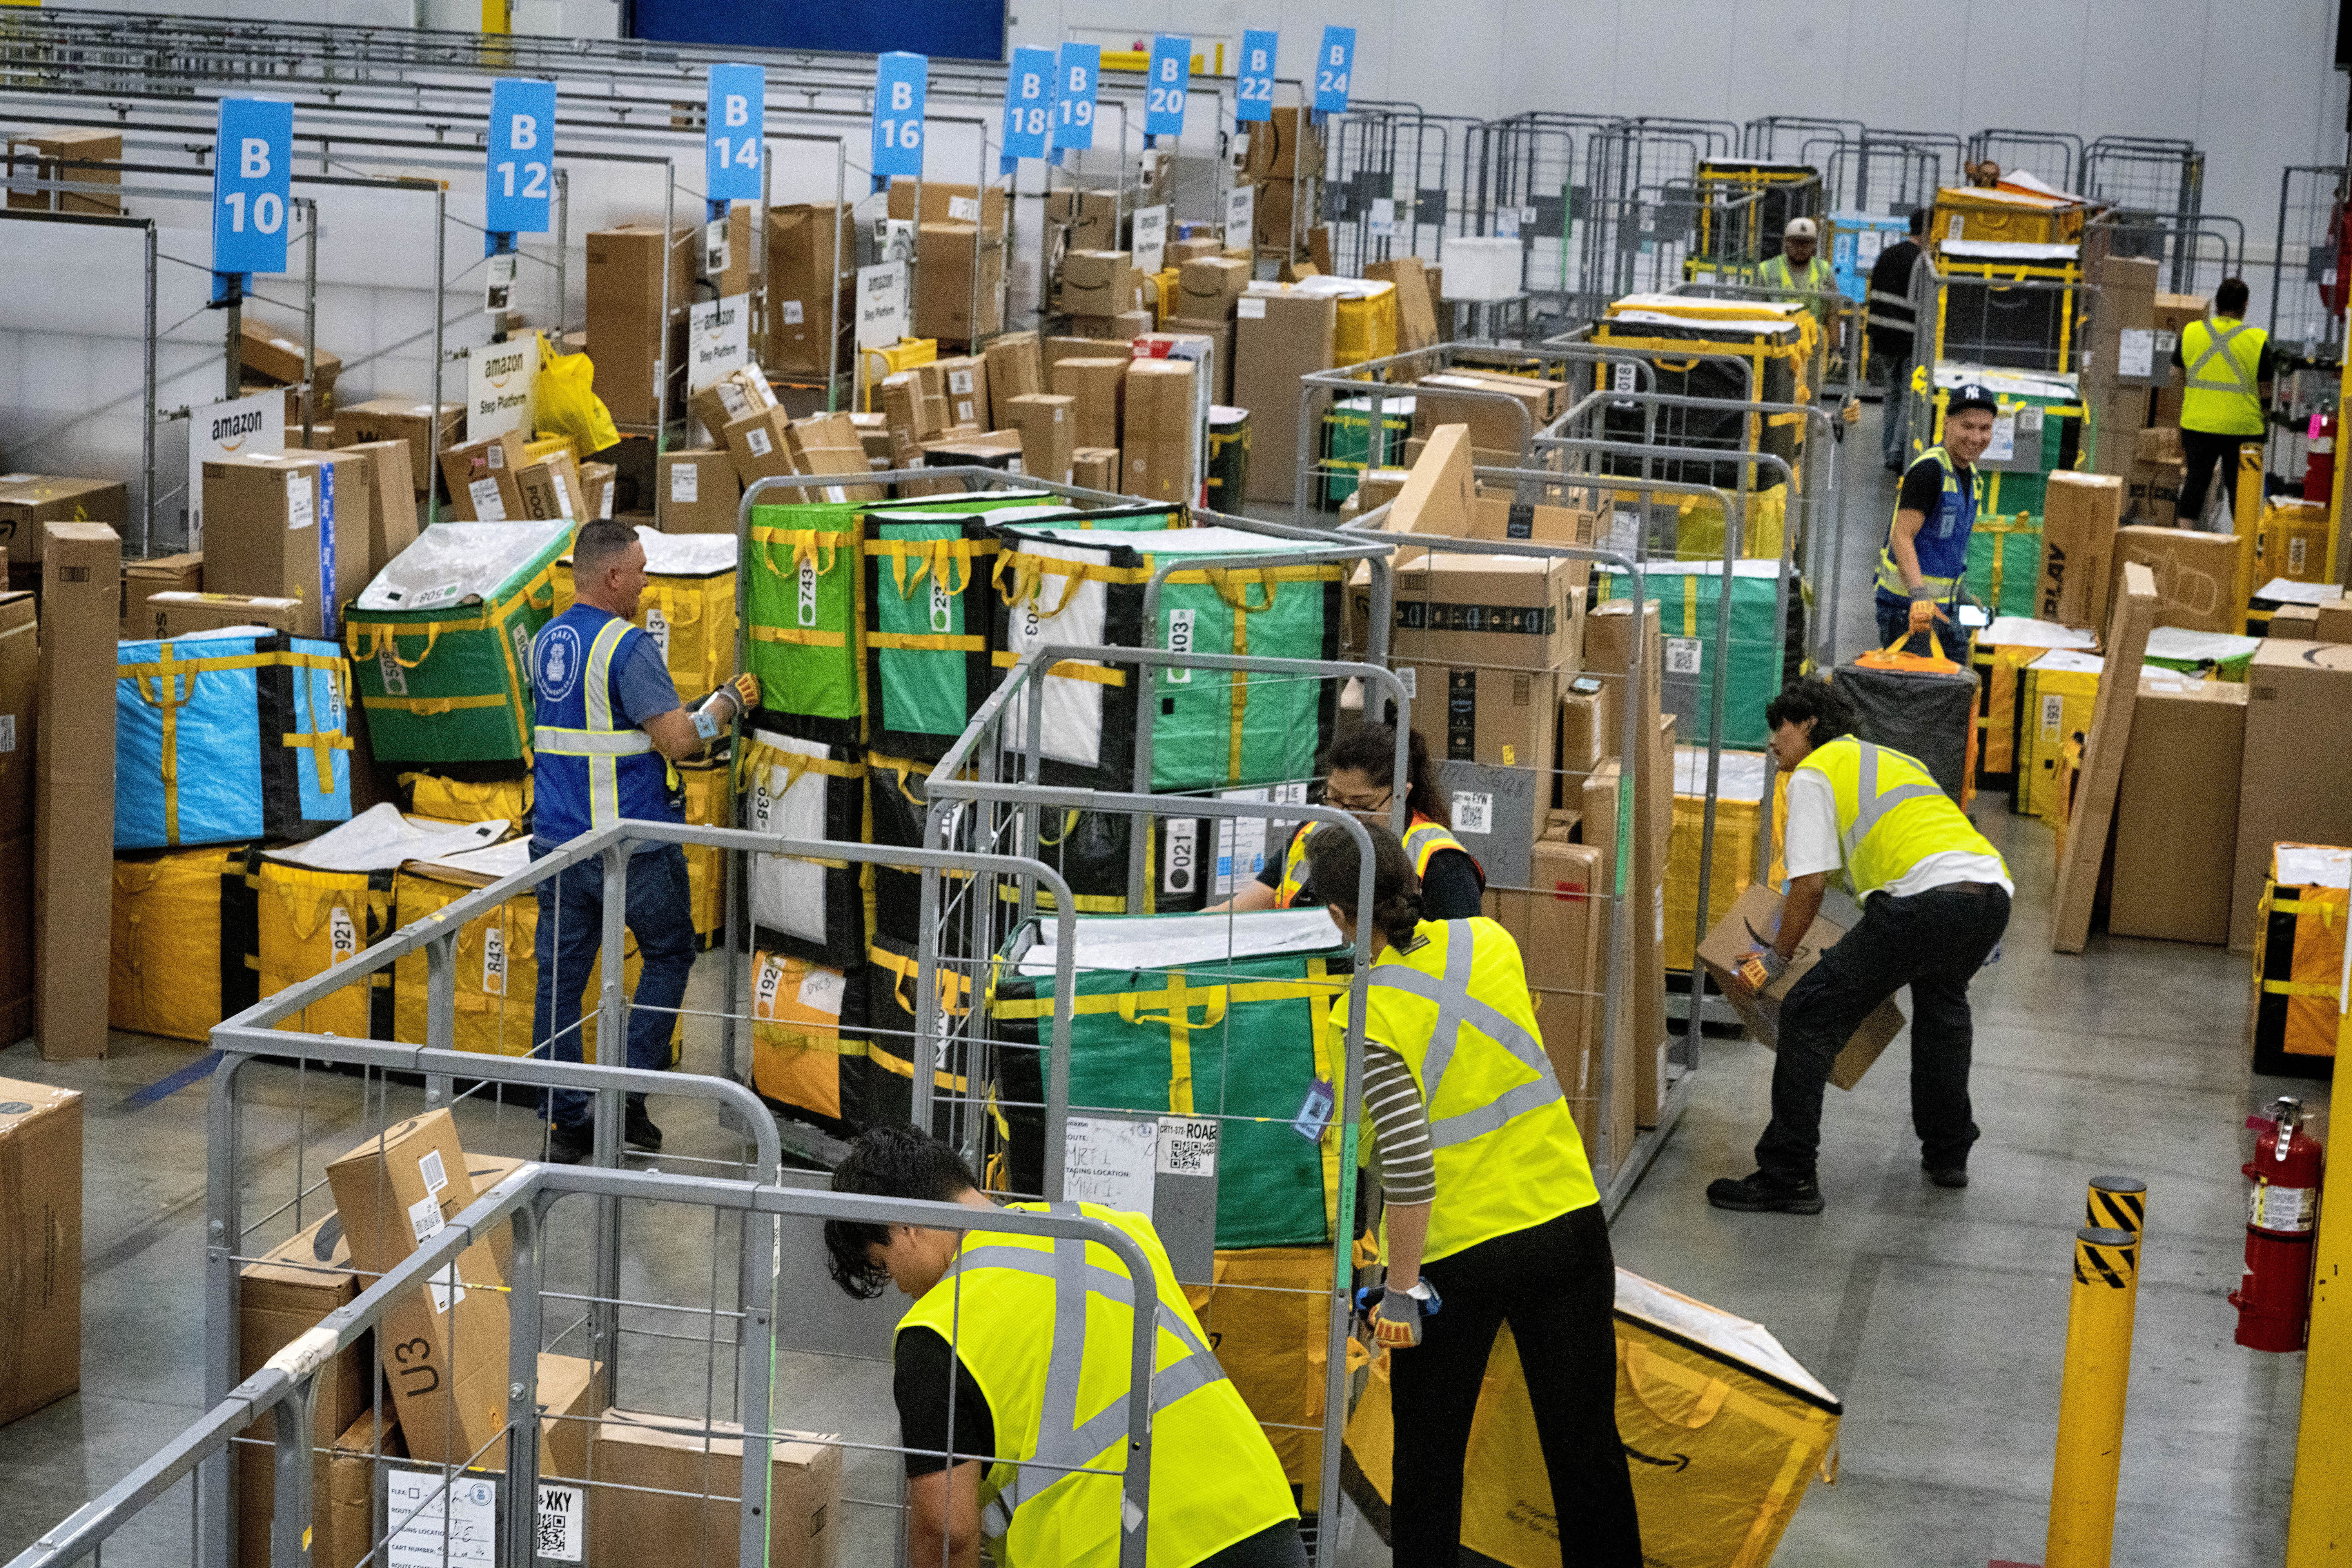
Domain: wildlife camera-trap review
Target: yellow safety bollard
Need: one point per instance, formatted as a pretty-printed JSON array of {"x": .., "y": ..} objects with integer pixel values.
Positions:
[
  {"x": 2118, "y": 1203},
  {"x": 2091, "y": 1399}
]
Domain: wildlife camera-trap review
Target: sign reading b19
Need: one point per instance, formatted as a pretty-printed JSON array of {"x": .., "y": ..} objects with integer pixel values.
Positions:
[
  {"x": 521, "y": 157},
  {"x": 1074, "y": 96},
  {"x": 734, "y": 123},
  {"x": 252, "y": 177},
  {"x": 899, "y": 80}
]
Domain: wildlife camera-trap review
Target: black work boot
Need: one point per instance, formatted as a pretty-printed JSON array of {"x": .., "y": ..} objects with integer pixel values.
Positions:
[{"x": 1766, "y": 1192}]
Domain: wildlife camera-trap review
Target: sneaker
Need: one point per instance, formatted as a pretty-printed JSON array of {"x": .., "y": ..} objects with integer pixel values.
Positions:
[
  {"x": 638, "y": 1131},
  {"x": 1946, "y": 1175},
  {"x": 569, "y": 1145},
  {"x": 1764, "y": 1193}
]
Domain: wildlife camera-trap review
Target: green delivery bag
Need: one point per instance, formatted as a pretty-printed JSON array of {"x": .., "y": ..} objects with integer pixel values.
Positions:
[
  {"x": 1178, "y": 1016},
  {"x": 440, "y": 642},
  {"x": 1686, "y": 594}
]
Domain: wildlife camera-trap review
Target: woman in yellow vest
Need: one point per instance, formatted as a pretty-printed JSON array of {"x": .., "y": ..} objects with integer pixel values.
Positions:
[
  {"x": 1358, "y": 778},
  {"x": 1935, "y": 901},
  {"x": 1011, "y": 1375},
  {"x": 2226, "y": 366},
  {"x": 1490, "y": 1216}
]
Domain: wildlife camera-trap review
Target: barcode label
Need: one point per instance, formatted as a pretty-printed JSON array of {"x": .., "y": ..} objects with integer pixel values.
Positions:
[
  {"x": 435, "y": 1174},
  {"x": 1472, "y": 812},
  {"x": 562, "y": 1532},
  {"x": 1188, "y": 1147},
  {"x": 425, "y": 1221},
  {"x": 1682, "y": 655}
]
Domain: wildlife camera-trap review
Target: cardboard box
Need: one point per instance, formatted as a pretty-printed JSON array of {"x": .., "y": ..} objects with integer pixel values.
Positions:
[
  {"x": 73, "y": 811},
  {"x": 1160, "y": 431},
  {"x": 2331, "y": 622},
  {"x": 2080, "y": 515},
  {"x": 2172, "y": 313},
  {"x": 344, "y": 1515},
  {"x": 275, "y": 354},
  {"x": 999, "y": 449},
  {"x": 1098, "y": 387},
  {"x": 1015, "y": 369},
  {"x": 1048, "y": 423},
  {"x": 963, "y": 386},
  {"x": 1084, "y": 220},
  {"x": 628, "y": 337},
  {"x": 1285, "y": 146},
  {"x": 1098, "y": 283},
  {"x": 1504, "y": 412},
  {"x": 759, "y": 444},
  {"x": 2158, "y": 444},
  {"x": 1591, "y": 730},
  {"x": 1095, "y": 468},
  {"x": 1278, "y": 338},
  {"x": 141, "y": 580},
  {"x": 484, "y": 478},
  {"x": 20, "y": 679},
  {"x": 52, "y": 153},
  {"x": 1489, "y": 638},
  {"x": 1207, "y": 287},
  {"x": 445, "y": 1347},
  {"x": 551, "y": 491},
  {"x": 282, "y": 1296},
  {"x": 1220, "y": 360},
  {"x": 40, "y": 1236},
  {"x": 830, "y": 443},
  {"x": 697, "y": 491},
  {"x": 2298, "y": 710},
  {"x": 2196, "y": 574},
  {"x": 1608, "y": 641},
  {"x": 945, "y": 203},
  {"x": 291, "y": 526},
  {"x": 1754, "y": 917},
  {"x": 600, "y": 481},
  {"x": 1561, "y": 925},
  {"x": 662, "y": 1490},
  {"x": 957, "y": 268},
  {"x": 1439, "y": 492},
  {"x": 28, "y": 502},
  {"x": 1495, "y": 517},
  {"x": 805, "y": 318},
  {"x": 2176, "y": 813},
  {"x": 16, "y": 941},
  {"x": 1123, "y": 328},
  {"x": 1053, "y": 351},
  {"x": 401, "y": 419},
  {"x": 179, "y": 614},
  {"x": 2153, "y": 494},
  {"x": 1416, "y": 299},
  {"x": 741, "y": 391},
  {"x": 392, "y": 500}
]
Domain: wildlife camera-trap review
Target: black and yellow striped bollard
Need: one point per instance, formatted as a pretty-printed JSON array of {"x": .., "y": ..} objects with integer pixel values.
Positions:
[{"x": 2091, "y": 1398}]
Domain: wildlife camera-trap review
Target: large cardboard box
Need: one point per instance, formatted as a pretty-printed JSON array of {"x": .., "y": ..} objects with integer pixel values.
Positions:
[
  {"x": 2196, "y": 574},
  {"x": 1502, "y": 423},
  {"x": 806, "y": 320},
  {"x": 1287, "y": 145},
  {"x": 274, "y": 354},
  {"x": 2080, "y": 515},
  {"x": 40, "y": 1242},
  {"x": 551, "y": 489},
  {"x": 1098, "y": 283},
  {"x": 445, "y": 1347},
  {"x": 662, "y": 1492},
  {"x": 1560, "y": 922},
  {"x": 627, "y": 336},
  {"x": 2123, "y": 333},
  {"x": 1095, "y": 468},
  {"x": 760, "y": 445},
  {"x": 2172, "y": 313},
  {"x": 2153, "y": 495},
  {"x": 1160, "y": 433},
  {"x": 1207, "y": 287},
  {"x": 719, "y": 403},
  {"x": 1440, "y": 489},
  {"x": 1608, "y": 639},
  {"x": 963, "y": 386},
  {"x": 484, "y": 478},
  {"x": 945, "y": 202},
  {"x": 282, "y": 1296},
  {"x": 957, "y": 266},
  {"x": 178, "y": 615},
  {"x": 1081, "y": 220},
  {"x": 1489, "y": 638},
  {"x": 1098, "y": 387},
  {"x": 1048, "y": 423},
  {"x": 1416, "y": 299},
  {"x": 1589, "y": 730},
  {"x": 392, "y": 500},
  {"x": 830, "y": 443},
  {"x": 16, "y": 935},
  {"x": 1015, "y": 369},
  {"x": 20, "y": 675},
  {"x": 2177, "y": 812},
  {"x": 1221, "y": 358},
  {"x": 2331, "y": 622},
  {"x": 401, "y": 419},
  {"x": 295, "y": 526},
  {"x": 73, "y": 812},
  {"x": 1278, "y": 338},
  {"x": 2298, "y": 722},
  {"x": 30, "y": 502},
  {"x": 1756, "y": 918},
  {"x": 141, "y": 580},
  {"x": 50, "y": 153}
]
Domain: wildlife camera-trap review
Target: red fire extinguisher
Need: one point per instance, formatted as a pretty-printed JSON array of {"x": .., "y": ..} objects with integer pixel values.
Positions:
[
  {"x": 2273, "y": 1300},
  {"x": 2319, "y": 461}
]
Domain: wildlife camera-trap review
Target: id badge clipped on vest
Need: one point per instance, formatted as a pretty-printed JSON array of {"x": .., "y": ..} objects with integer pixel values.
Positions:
[{"x": 1315, "y": 1111}]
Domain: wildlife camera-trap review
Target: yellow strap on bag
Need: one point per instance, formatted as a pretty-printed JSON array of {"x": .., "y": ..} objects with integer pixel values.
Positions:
[
  {"x": 564, "y": 400},
  {"x": 1066, "y": 670}
]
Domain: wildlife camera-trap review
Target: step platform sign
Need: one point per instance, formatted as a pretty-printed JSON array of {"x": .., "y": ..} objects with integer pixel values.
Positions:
[
  {"x": 520, "y": 161},
  {"x": 253, "y": 170}
]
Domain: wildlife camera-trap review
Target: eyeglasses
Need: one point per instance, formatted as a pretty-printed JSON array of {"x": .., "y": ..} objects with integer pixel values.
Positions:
[{"x": 1346, "y": 803}]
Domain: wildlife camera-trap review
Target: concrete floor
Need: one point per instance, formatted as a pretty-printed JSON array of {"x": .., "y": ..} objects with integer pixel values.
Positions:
[{"x": 1939, "y": 1317}]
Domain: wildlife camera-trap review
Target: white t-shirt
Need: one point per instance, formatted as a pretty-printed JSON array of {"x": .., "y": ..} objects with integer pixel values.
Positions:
[{"x": 1813, "y": 845}]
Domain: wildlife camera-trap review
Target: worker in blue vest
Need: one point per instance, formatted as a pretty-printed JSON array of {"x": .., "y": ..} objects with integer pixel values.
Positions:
[
  {"x": 1925, "y": 559},
  {"x": 609, "y": 728}
]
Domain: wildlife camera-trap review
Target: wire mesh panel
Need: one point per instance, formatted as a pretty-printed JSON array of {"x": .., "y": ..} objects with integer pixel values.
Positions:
[
  {"x": 2053, "y": 157},
  {"x": 1898, "y": 172},
  {"x": 2307, "y": 290},
  {"x": 2157, "y": 187},
  {"x": 1391, "y": 171}
]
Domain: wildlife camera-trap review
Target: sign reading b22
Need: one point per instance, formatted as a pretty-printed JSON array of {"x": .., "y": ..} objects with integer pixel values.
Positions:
[
  {"x": 252, "y": 179},
  {"x": 521, "y": 158}
]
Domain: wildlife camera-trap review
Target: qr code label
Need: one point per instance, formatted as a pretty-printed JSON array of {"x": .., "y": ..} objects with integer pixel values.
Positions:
[
  {"x": 1682, "y": 655},
  {"x": 1472, "y": 812},
  {"x": 561, "y": 1530},
  {"x": 1188, "y": 1147}
]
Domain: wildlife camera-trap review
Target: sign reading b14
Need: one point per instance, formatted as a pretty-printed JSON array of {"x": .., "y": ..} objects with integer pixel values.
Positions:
[
  {"x": 733, "y": 126},
  {"x": 252, "y": 182}
]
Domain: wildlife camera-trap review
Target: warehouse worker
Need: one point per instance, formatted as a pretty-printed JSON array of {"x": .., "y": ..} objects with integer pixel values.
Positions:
[
  {"x": 1925, "y": 559},
  {"x": 609, "y": 728},
  {"x": 1801, "y": 268},
  {"x": 1010, "y": 1371},
  {"x": 1935, "y": 901},
  {"x": 1491, "y": 1216},
  {"x": 1893, "y": 324},
  {"x": 2227, "y": 366},
  {"x": 1358, "y": 778}
]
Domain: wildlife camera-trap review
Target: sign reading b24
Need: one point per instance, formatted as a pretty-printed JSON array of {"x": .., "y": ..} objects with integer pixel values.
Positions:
[{"x": 252, "y": 181}]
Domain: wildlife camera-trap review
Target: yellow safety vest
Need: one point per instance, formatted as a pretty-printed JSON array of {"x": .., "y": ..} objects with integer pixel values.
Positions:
[
  {"x": 1046, "y": 1327},
  {"x": 1890, "y": 813},
  {"x": 1942, "y": 541},
  {"x": 1424, "y": 837},
  {"x": 1819, "y": 278},
  {"x": 2222, "y": 357},
  {"x": 1454, "y": 1005}
]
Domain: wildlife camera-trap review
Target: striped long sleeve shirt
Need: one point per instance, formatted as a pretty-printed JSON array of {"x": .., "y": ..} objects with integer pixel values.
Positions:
[{"x": 1392, "y": 1104}]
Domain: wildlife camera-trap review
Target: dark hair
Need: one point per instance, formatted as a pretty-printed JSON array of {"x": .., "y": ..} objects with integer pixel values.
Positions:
[
  {"x": 1333, "y": 864},
  {"x": 595, "y": 544},
  {"x": 1370, "y": 749},
  {"x": 2230, "y": 299},
  {"x": 1918, "y": 220},
  {"x": 1814, "y": 702},
  {"x": 888, "y": 1163}
]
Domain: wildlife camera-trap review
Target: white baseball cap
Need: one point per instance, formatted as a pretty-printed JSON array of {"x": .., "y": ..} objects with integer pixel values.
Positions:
[{"x": 1801, "y": 228}]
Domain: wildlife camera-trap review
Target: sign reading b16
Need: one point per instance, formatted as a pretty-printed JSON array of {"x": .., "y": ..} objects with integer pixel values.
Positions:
[
  {"x": 734, "y": 124},
  {"x": 252, "y": 178},
  {"x": 900, "y": 81},
  {"x": 521, "y": 158}
]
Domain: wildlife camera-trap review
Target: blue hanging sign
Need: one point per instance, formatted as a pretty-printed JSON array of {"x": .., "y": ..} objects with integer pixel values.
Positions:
[
  {"x": 1073, "y": 97},
  {"x": 899, "y": 80},
  {"x": 1171, "y": 78},
  {"x": 1028, "y": 103},
  {"x": 733, "y": 135},
  {"x": 520, "y": 162},
  {"x": 252, "y": 165},
  {"x": 1335, "y": 62},
  {"x": 1254, "y": 101}
]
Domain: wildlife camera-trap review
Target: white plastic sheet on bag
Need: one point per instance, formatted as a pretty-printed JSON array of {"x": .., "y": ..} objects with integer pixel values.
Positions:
[
  {"x": 380, "y": 839},
  {"x": 787, "y": 894},
  {"x": 454, "y": 561}
]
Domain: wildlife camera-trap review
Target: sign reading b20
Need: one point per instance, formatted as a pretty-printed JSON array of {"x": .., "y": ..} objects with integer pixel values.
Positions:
[{"x": 252, "y": 181}]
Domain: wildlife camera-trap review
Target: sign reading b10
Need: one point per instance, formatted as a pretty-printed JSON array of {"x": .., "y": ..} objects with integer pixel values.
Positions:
[
  {"x": 521, "y": 158},
  {"x": 253, "y": 164},
  {"x": 899, "y": 80},
  {"x": 734, "y": 126}
]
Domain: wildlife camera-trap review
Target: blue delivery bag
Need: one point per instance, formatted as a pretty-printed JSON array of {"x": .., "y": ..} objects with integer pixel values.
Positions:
[{"x": 229, "y": 736}]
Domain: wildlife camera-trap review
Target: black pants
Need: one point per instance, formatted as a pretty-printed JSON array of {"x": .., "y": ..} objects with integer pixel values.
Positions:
[
  {"x": 1555, "y": 1284},
  {"x": 2201, "y": 451},
  {"x": 1933, "y": 943}
]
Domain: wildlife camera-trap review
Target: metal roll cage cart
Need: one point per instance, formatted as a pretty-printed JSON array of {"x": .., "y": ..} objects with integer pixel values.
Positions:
[{"x": 1922, "y": 405}]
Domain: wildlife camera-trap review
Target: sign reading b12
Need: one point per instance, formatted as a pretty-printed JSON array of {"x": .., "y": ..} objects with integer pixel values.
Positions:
[
  {"x": 1335, "y": 61},
  {"x": 1171, "y": 78},
  {"x": 899, "y": 80},
  {"x": 521, "y": 159},
  {"x": 734, "y": 122},
  {"x": 1254, "y": 101},
  {"x": 1029, "y": 102},
  {"x": 1074, "y": 96},
  {"x": 252, "y": 165}
]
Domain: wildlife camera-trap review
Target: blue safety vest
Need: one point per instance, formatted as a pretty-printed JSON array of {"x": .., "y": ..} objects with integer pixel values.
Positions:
[
  {"x": 594, "y": 766},
  {"x": 1942, "y": 541}
]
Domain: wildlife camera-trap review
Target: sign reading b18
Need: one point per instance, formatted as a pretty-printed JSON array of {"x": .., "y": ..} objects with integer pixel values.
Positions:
[
  {"x": 521, "y": 158},
  {"x": 252, "y": 179}
]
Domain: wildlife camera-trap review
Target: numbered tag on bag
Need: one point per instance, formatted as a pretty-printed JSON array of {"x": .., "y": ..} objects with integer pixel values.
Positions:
[{"x": 1314, "y": 1111}]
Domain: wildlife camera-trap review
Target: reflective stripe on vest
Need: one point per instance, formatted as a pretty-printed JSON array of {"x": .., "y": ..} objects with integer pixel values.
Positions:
[
  {"x": 1880, "y": 832},
  {"x": 1820, "y": 277},
  {"x": 2223, "y": 400},
  {"x": 1935, "y": 548},
  {"x": 1424, "y": 838},
  {"x": 599, "y": 743},
  {"x": 1455, "y": 1006}
]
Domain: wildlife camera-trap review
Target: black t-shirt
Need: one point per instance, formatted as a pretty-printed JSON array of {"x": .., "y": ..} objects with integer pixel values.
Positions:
[
  {"x": 1923, "y": 486},
  {"x": 919, "y": 1385},
  {"x": 1451, "y": 889}
]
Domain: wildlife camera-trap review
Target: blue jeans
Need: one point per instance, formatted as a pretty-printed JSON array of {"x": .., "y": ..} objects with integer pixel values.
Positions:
[
  {"x": 1893, "y": 374},
  {"x": 571, "y": 936}
]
